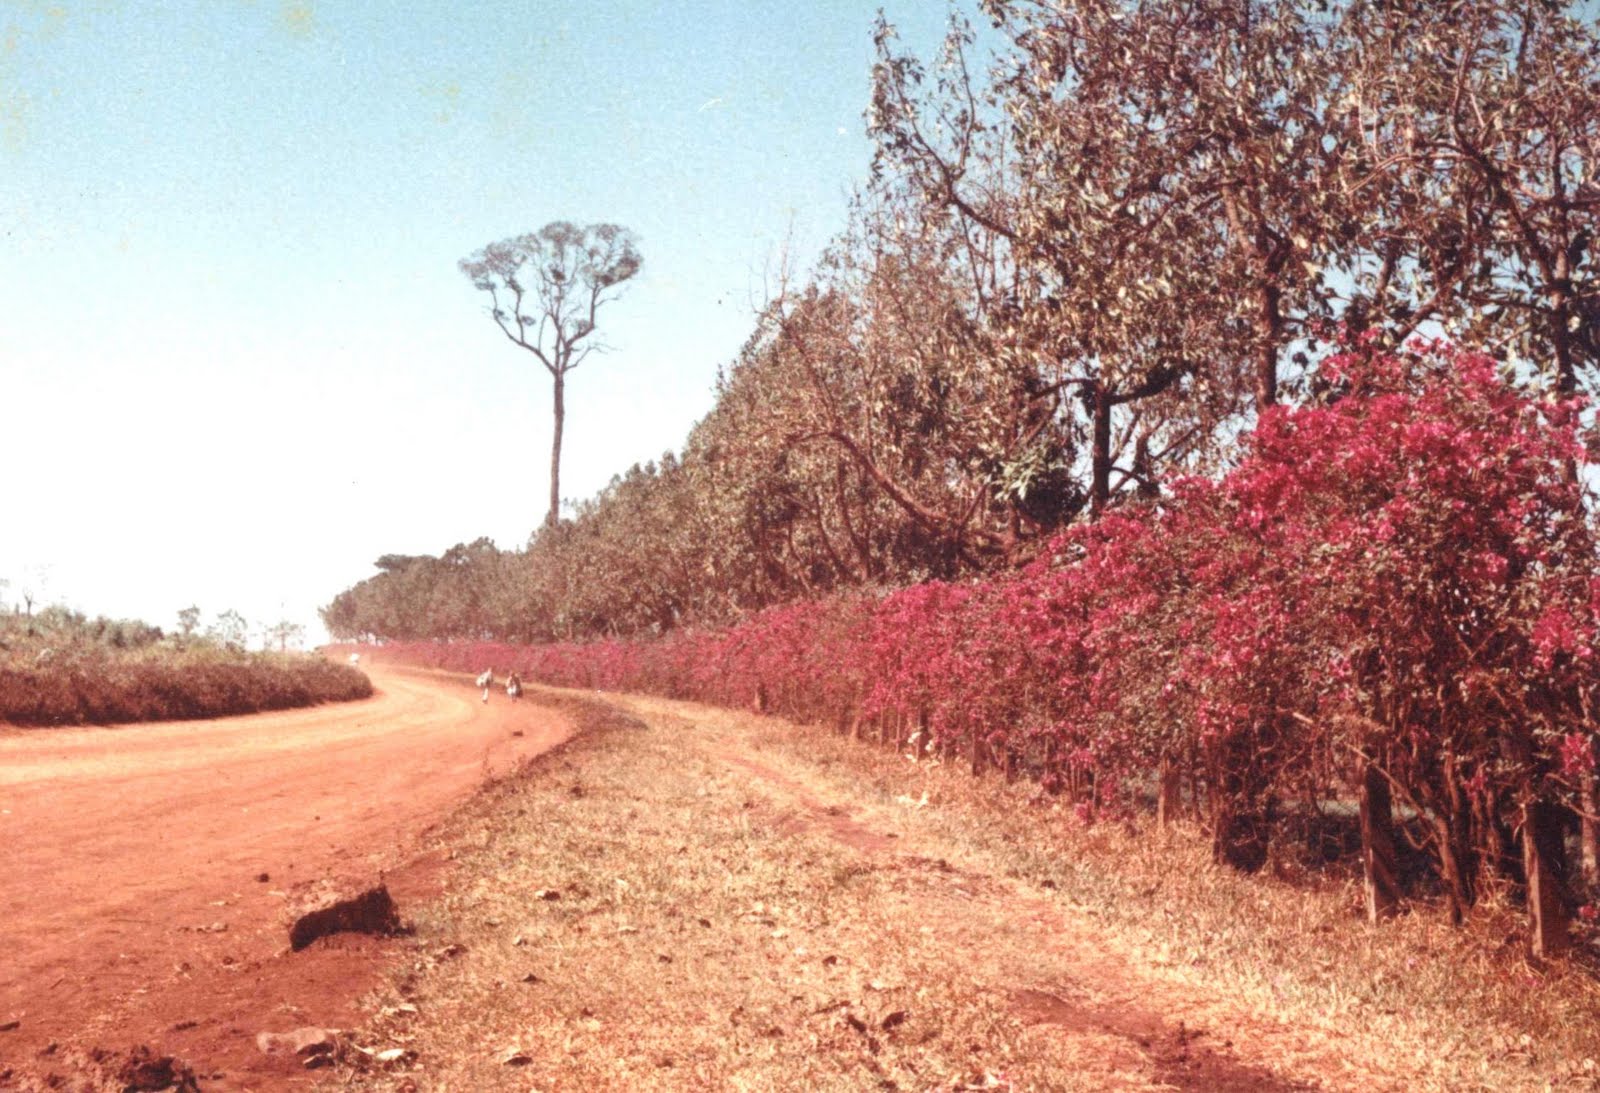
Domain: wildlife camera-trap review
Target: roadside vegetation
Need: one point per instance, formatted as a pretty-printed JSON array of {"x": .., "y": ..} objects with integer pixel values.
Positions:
[
  {"x": 1193, "y": 418},
  {"x": 59, "y": 668},
  {"x": 1388, "y": 606},
  {"x": 686, "y": 897}
]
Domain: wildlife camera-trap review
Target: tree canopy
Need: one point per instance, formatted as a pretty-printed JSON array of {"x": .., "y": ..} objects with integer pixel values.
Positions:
[{"x": 546, "y": 289}]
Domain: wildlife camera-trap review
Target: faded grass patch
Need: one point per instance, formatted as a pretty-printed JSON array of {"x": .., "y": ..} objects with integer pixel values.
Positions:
[
  {"x": 680, "y": 900},
  {"x": 1455, "y": 1008},
  {"x": 633, "y": 913}
]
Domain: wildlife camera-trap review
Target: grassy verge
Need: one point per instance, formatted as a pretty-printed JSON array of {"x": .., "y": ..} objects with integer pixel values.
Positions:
[
  {"x": 684, "y": 898},
  {"x": 1463, "y": 1008}
]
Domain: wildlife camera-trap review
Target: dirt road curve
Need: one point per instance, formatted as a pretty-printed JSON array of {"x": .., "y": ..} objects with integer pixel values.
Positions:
[{"x": 131, "y": 905}]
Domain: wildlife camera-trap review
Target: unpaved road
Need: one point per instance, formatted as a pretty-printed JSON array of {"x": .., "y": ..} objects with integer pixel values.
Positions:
[{"x": 132, "y": 908}]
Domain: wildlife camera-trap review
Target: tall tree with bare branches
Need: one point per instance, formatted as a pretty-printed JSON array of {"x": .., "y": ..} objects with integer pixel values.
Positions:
[{"x": 545, "y": 289}]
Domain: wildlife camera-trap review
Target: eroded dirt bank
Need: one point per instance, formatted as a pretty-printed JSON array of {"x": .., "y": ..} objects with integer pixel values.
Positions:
[{"x": 148, "y": 872}]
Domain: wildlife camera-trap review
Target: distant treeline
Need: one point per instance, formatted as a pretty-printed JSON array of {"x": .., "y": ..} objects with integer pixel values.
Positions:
[
  {"x": 1100, "y": 239},
  {"x": 59, "y": 668}
]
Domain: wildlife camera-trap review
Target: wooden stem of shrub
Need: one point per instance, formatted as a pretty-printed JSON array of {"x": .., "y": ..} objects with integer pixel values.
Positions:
[
  {"x": 1169, "y": 792},
  {"x": 1541, "y": 860},
  {"x": 1590, "y": 830},
  {"x": 1451, "y": 828},
  {"x": 1240, "y": 830},
  {"x": 979, "y": 752},
  {"x": 1197, "y": 801},
  {"x": 1378, "y": 876}
]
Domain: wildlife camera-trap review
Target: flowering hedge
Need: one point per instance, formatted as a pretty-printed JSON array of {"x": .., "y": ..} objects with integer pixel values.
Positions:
[{"x": 1396, "y": 583}]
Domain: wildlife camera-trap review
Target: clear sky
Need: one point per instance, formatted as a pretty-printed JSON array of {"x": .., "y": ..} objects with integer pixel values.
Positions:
[{"x": 237, "y": 360}]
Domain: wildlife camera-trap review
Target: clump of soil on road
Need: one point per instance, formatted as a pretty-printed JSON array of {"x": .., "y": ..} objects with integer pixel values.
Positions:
[
  {"x": 142, "y": 1069},
  {"x": 370, "y": 912}
]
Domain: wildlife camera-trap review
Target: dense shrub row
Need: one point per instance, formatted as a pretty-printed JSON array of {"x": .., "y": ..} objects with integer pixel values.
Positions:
[
  {"x": 1393, "y": 596},
  {"x": 102, "y": 685}
]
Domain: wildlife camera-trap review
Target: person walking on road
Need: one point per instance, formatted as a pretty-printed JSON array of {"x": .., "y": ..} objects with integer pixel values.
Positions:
[{"x": 486, "y": 681}]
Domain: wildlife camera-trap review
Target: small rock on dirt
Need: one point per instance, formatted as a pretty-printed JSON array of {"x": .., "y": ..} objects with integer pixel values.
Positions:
[
  {"x": 307, "y": 1042},
  {"x": 371, "y": 912}
]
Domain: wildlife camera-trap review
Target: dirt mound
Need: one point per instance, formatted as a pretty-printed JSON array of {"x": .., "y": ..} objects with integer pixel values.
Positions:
[
  {"x": 371, "y": 912},
  {"x": 140, "y": 1069}
]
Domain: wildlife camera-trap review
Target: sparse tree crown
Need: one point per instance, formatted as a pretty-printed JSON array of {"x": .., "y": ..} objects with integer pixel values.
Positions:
[{"x": 545, "y": 289}]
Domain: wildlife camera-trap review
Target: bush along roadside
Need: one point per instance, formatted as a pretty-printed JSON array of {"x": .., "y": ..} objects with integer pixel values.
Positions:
[
  {"x": 98, "y": 685},
  {"x": 1390, "y": 603}
]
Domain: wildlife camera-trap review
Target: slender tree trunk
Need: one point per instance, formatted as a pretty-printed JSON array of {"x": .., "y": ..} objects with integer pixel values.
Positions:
[
  {"x": 1271, "y": 325},
  {"x": 1169, "y": 792},
  {"x": 555, "y": 452},
  {"x": 1377, "y": 846},
  {"x": 1590, "y": 830},
  {"x": 1542, "y": 861},
  {"x": 1457, "y": 860},
  {"x": 1100, "y": 488},
  {"x": 1241, "y": 807}
]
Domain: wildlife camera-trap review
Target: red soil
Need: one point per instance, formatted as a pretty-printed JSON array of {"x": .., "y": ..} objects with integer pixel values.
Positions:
[{"x": 131, "y": 905}]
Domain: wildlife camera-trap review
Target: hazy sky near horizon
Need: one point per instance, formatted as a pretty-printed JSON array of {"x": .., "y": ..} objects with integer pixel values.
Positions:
[{"x": 237, "y": 360}]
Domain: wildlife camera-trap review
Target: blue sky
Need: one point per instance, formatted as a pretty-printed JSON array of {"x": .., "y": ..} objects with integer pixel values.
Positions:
[{"x": 237, "y": 360}]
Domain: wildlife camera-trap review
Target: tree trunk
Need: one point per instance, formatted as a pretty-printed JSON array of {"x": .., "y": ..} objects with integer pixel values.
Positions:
[
  {"x": 1169, "y": 792},
  {"x": 1590, "y": 829},
  {"x": 1457, "y": 859},
  {"x": 1270, "y": 325},
  {"x": 1542, "y": 860},
  {"x": 1100, "y": 487},
  {"x": 1241, "y": 802},
  {"x": 554, "y": 515},
  {"x": 1377, "y": 846}
]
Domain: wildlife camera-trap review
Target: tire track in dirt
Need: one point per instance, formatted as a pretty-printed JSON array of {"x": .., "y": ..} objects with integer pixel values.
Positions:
[
  {"x": 133, "y": 907},
  {"x": 1072, "y": 980},
  {"x": 1180, "y": 1057}
]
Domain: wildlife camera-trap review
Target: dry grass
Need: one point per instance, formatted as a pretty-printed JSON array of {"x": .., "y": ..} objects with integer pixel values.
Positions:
[
  {"x": 1458, "y": 1008},
  {"x": 686, "y": 898},
  {"x": 87, "y": 683}
]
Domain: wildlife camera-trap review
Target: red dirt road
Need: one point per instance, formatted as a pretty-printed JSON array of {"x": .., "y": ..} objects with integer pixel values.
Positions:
[{"x": 130, "y": 906}]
